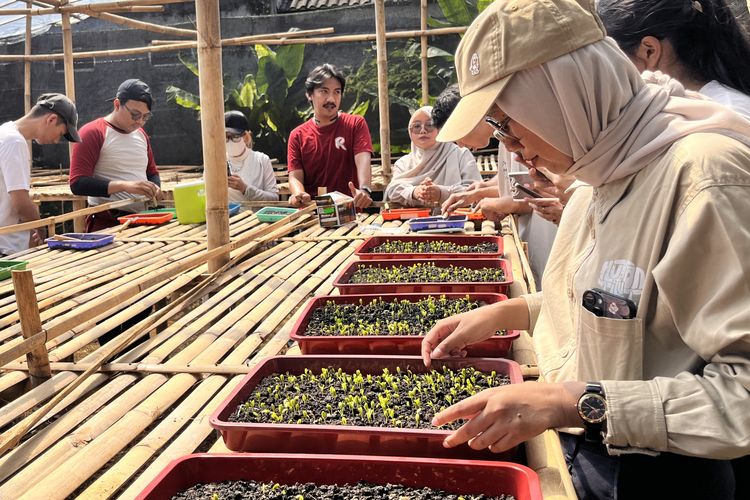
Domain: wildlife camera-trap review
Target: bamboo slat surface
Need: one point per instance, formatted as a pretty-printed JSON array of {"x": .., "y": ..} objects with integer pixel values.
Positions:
[{"x": 117, "y": 430}]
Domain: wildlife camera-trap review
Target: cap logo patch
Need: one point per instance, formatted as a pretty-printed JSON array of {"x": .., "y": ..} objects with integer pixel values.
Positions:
[{"x": 474, "y": 64}]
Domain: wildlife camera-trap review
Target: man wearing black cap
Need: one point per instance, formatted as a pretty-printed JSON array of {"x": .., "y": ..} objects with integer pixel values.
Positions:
[
  {"x": 53, "y": 117},
  {"x": 115, "y": 160}
]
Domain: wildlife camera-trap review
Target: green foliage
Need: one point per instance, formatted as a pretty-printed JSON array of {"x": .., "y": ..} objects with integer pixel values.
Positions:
[
  {"x": 458, "y": 12},
  {"x": 272, "y": 98}
]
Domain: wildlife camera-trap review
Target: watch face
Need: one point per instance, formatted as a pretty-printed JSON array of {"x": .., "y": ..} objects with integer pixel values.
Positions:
[{"x": 593, "y": 408}]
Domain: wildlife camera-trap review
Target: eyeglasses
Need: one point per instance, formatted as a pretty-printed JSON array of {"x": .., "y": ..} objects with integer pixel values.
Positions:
[
  {"x": 234, "y": 138},
  {"x": 501, "y": 132},
  {"x": 417, "y": 126},
  {"x": 137, "y": 115}
]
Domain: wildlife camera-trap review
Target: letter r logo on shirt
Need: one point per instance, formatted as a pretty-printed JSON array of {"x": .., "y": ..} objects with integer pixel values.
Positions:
[{"x": 339, "y": 142}]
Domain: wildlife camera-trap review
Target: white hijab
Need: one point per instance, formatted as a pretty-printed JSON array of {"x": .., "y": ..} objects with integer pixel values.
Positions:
[
  {"x": 593, "y": 105},
  {"x": 439, "y": 163}
]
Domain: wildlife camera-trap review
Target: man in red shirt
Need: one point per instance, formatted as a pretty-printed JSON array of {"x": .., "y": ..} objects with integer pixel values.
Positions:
[
  {"x": 115, "y": 160},
  {"x": 331, "y": 150}
]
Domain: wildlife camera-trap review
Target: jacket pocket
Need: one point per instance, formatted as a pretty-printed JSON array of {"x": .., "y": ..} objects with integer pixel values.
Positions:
[{"x": 609, "y": 349}]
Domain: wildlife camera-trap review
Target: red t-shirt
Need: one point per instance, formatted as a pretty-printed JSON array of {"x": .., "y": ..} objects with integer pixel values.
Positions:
[{"x": 326, "y": 154}]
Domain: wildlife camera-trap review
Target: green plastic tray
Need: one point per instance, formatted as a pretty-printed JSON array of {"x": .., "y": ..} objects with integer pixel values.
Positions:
[
  {"x": 264, "y": 215},
  {"x": 6, "y": 266},
  {"x": 161, "y": 211}
]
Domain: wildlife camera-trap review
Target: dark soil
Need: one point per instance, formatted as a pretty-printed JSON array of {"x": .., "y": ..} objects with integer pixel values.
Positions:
[
  {"x": 237, "y": 490},
  {"x": 403, "y": 399},
  {"x": 436, "y": 246},
  {"x": 380, "y": 317},
  {"x": 425, "y": 273}
]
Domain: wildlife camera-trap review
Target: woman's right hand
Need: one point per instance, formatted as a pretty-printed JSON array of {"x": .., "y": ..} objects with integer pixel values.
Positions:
[
  {"x": 459, "y": 200},
  {"x": 450, "y": 336}
]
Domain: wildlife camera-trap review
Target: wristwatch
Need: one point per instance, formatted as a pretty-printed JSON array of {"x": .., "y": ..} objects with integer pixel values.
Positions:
[
  {"x": 367, "y": 190},
  {"x": 592, "y": 408}
]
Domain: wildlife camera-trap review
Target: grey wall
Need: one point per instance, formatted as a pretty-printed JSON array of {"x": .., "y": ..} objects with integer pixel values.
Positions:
[{"x": 174, "y": 131}]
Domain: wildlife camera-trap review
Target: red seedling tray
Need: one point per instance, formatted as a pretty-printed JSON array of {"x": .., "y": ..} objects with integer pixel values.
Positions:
[
  {"x": 348, "y": 439},
  {"x": 454, "y": 476},
  {"x": 495, "y": 347},
  {"x": 404, "y": 213},
  {"x": 345, "y": 288},
  {"x": 364, "y": 250},
  {"x": 145, "y": 218}
]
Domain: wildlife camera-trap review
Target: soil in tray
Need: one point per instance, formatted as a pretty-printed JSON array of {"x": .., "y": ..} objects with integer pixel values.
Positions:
[
  {"x": 436, "y": 246},
  {"x": 380, "y": 317},
  {"x": 403, "y": 399},
  {"x": 274, "y": 491},
  {"x": 425, "y": 273}
]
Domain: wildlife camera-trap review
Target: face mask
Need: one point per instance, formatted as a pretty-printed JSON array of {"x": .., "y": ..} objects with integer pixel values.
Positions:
[{"x": 235, "y": 149}]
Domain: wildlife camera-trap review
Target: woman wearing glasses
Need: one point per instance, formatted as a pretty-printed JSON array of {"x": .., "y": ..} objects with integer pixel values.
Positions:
[
  {"x": 644, "y": 346},
  {"x": 250, "y": 172},
  {"x": 432, "y": 171}
]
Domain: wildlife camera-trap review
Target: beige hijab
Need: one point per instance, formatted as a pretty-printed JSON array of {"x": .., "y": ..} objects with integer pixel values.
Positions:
[
  {"x": 593, "y": 105},
  {"x": 439, "y": 163}
]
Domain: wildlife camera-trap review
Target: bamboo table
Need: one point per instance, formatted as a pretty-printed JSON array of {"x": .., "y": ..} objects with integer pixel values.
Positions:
[{"x": 150, "y": 404}]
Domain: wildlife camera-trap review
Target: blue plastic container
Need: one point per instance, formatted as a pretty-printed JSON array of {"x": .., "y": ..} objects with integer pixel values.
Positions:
[
  {"x": 234, "y": 209},
  {"x": 87, "y": 241},
  {"x": 439, "y": 223}
]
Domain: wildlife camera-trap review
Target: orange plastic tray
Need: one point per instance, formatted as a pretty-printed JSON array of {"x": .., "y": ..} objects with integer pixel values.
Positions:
[
  {"x": 152, "y": 218},
  {"x": 404, "y": 213},
  {"x": 468, "y": 213}
]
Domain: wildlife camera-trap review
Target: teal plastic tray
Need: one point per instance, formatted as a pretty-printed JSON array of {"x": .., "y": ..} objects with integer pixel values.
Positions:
[
  {"x": 273, "y": 214},
  {"x": 6, "y": 266},
  {"x": 161, "y": 211}
]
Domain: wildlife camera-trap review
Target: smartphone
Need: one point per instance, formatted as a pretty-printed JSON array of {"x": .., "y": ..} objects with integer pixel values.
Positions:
[
  {"x": 517, "y": 181},
  {"x": 607, "y": 305}
]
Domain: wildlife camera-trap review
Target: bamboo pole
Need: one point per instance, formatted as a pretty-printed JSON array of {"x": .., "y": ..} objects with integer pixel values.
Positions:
[
  {"x": 383, "y": 101},
  {"x": 141, "y": 25},
  {"x": 70, "y": 86},
  {"x": 27, "y": 75},
  {"x": 28, "y": 311},
  {"x": 212, "y": 128},
  {"x": 254, "y": 38},
  {"x": 135, "y": 368},
  {"x": 269, "y": 41},
  {"x": 423, "y": 52},
  {"x": 57, "y": 219}
]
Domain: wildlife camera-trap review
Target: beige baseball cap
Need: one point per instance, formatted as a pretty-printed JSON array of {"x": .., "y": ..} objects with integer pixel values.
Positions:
[{"x": 509, "y": 36}]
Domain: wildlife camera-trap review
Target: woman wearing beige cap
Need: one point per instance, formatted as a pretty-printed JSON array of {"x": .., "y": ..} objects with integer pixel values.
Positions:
[{"x": 642, "y": 332}]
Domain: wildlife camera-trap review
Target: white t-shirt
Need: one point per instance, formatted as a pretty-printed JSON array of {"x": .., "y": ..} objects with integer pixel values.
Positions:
[
  {"x": 15, "y": 174},
  {"x": 255, "y": 171},
  {"x": 729, "y": 97}
]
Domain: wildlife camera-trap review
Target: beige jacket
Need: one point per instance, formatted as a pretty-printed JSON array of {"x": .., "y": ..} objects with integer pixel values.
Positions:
[{"x": 675, "y": 239}]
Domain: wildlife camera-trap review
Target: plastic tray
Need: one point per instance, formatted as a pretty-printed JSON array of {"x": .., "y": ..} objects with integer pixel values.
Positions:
[
  {"x": 347, "y": 439},
  {"x": 454, "y": 476},
  {"x": 404, "y": 213},
  {"x": 364, "y": 252},
  {"x": 146, "y": 218},
  {"x": 345, "y": 288},
  {"x": 89, "y": 241},
  {"x": 234, "y": 209},
  {"x": 452, "y": 223},
  {"x": 469, "y": 214},
  {"x": 173, "y": 211},
  {"x": 495, "y": 347},
  {"x": 266, "y": 214},
  {"x": 6, "y": 266}
]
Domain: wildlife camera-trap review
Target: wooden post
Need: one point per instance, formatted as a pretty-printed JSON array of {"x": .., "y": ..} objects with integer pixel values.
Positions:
[
  {"x": 383, "y": 101},
  {"x": 70, "y": 79},
  {"x": 31, "y": 324},
  {"x": 212, "y": 128},
  {"x": 27, "y": 73},
  {"x": 79, "y": 222},
  {"x": 423, "y": 44}
]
